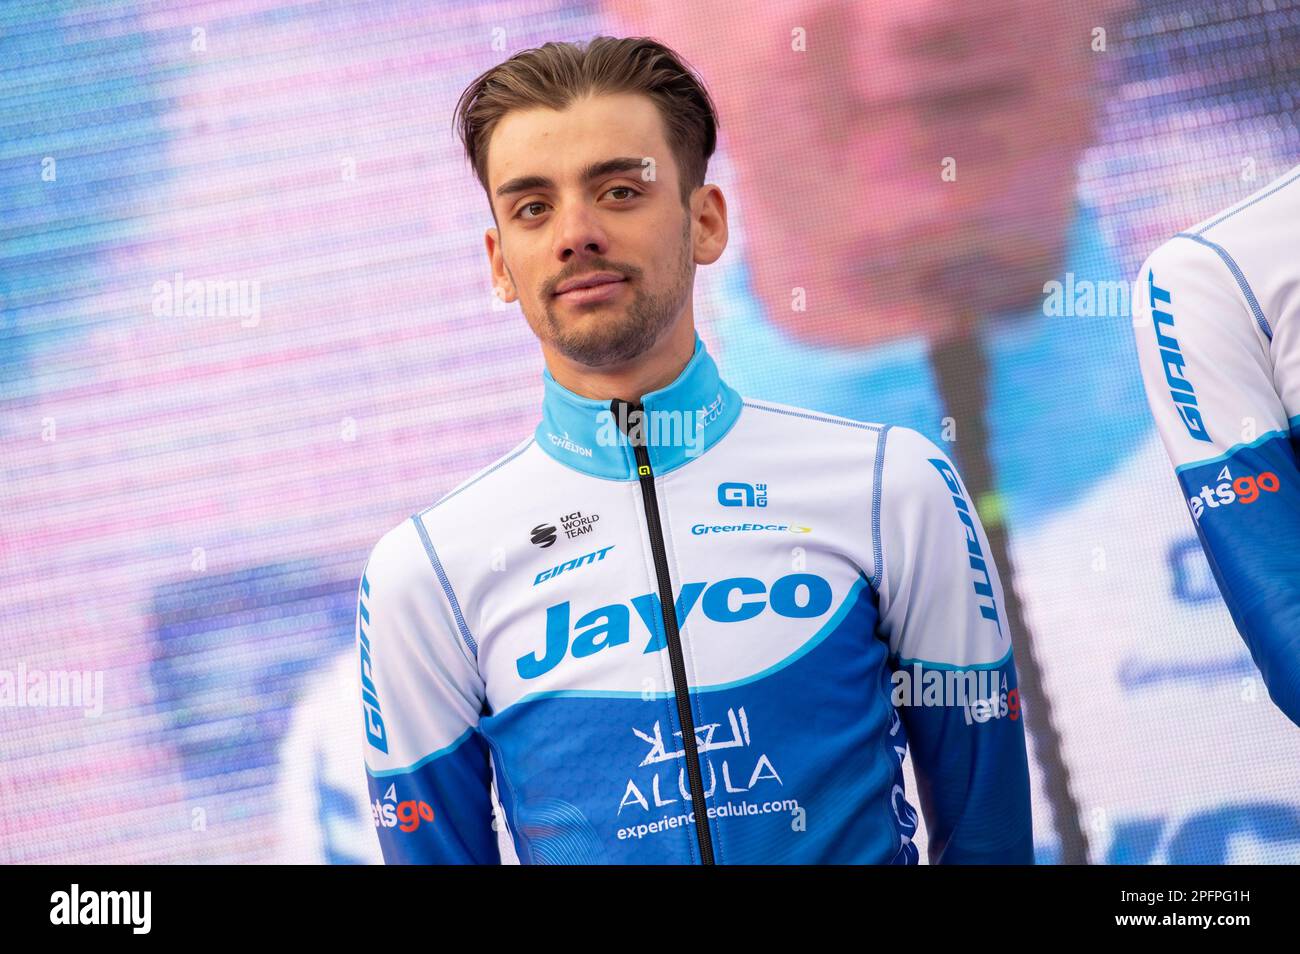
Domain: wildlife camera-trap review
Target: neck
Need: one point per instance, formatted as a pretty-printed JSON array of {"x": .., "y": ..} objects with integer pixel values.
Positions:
[{"x": 628, "y": 380}]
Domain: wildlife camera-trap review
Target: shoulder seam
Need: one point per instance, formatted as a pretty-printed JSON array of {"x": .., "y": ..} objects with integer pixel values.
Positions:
[
  {"x": 1247, "y": 204},
  {"x": 491, "y": 468},
  {"x": 878, "y": 428},
  {"x": 446, "y": 584},
  {"x": 877, "y": 544},
  {"x": 1237, "y": 275}
]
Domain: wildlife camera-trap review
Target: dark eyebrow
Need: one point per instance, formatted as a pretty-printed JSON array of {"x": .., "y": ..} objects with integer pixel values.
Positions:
[{"x": 594, "y": 170}]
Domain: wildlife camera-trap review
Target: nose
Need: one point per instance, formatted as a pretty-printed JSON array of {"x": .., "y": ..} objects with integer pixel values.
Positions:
[{"x": 578, "y": 232}]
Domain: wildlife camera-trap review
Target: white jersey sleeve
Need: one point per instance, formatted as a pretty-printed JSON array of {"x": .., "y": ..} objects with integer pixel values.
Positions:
[
  {"x": 428, "y": 767},
  {"x": 954, "y": 676},
  {"x": 1217, "y": 319}
]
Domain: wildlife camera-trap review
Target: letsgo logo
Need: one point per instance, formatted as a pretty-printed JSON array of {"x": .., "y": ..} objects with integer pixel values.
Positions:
[
  {"x": 375, "y": 733},
  {"x": 1244, "y": 490},
  {"x": 733, "y": 600},
  {"x": 404, "y": 816}
]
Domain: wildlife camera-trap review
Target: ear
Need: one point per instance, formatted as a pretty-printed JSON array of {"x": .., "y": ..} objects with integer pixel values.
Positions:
[{"x": 502, "y": 286}]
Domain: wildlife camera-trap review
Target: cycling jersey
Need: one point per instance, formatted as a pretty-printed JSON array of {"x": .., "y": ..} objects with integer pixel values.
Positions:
[
  {"x": 676, "y": 632},
  {"x": 1217, "y": 317}
]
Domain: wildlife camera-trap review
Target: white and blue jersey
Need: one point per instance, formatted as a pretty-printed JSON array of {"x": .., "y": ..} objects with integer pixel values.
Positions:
[
  {"x": 686, "y": 646},
  {"x": 1217, "y": 318}
]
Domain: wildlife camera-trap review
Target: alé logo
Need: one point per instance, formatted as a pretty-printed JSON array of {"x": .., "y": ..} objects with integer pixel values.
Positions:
[
  {"x": 735, "y": 494},
  {"x": 733, "y": 600},
  {"x": 1229, "y": 490}
]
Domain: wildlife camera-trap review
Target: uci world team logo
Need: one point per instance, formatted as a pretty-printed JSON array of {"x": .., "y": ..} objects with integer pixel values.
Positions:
[
  {"x": 734, "y": 494},
  {"x": 576, "y": 524}
]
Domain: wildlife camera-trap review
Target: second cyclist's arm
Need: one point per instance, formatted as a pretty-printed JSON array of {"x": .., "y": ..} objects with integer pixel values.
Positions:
[
  {"x": 1205, "y": 352},
  {"x": 942, "y": 614}
]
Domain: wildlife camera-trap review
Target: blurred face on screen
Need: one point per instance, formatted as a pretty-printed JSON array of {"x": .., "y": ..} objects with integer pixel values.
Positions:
[
  {"x": 557, "y": 224},
  {"x": 841, "y": 146}
]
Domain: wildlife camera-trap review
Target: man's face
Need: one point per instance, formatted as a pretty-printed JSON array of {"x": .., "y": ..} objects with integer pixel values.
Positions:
[
  {"x": 840, "y": 145},
  {"x": 591, "y": 190}
]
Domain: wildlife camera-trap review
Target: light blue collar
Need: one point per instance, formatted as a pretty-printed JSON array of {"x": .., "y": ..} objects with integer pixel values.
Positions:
[{"x": 682, "y": 421}]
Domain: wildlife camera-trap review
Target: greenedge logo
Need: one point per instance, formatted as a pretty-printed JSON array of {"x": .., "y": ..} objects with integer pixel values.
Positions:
[{"x": 700, "y": 529}]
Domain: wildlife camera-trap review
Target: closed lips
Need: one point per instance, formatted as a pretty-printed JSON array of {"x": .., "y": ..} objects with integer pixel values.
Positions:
[{"x": 589, "y": 282}]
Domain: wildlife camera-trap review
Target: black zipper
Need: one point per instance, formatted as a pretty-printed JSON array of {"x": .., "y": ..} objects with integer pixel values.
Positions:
[{"x": 668, "y": 607}]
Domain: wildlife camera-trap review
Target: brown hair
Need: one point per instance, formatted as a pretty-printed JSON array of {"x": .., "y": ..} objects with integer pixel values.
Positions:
[{"x": 554, "y": 75}]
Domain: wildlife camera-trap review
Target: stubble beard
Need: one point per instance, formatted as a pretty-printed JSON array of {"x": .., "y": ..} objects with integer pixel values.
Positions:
[{"x": 611, "y": 336}]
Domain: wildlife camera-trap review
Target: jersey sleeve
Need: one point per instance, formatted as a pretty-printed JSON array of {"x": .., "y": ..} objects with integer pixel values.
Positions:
[
  {"x": 955, "y": 685},
  {"x": 1204, "y": 349},
  {"x": 428, "y": 767}
]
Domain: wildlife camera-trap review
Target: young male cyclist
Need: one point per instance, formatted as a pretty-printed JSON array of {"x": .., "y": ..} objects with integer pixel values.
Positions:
[{"x": 673, "y": 625}]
